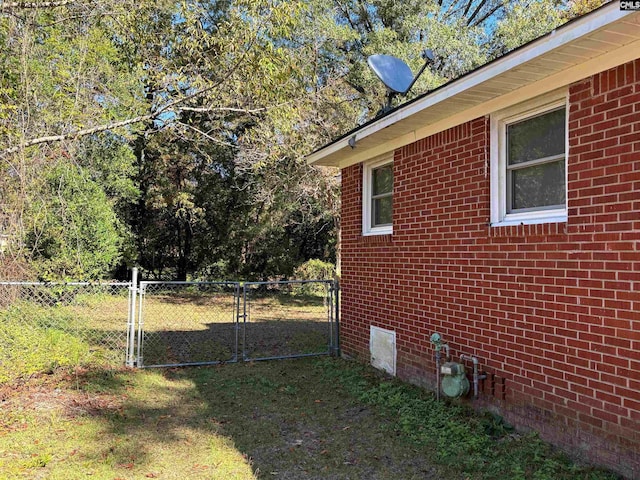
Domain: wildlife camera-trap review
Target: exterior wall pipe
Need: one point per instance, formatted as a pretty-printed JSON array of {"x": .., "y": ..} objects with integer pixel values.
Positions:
[
  {"x": 447, "y": 356},
  {"x": 439, "y": 346},
  {"x": 438, "y": 375},
  {"x": 476, "y": 376}
]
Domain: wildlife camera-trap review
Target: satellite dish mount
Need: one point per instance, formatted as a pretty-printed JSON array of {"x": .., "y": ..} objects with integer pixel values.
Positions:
[{"x": 396, "y": 74}]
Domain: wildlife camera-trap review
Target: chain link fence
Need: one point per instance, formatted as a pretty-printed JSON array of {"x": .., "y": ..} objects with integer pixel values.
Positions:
[
  {"x": 187, "y": 323},
  {"x": 160, "y": 324},
  {"x": 46, "y": 325},
  {"x": 288, "y": 319}
]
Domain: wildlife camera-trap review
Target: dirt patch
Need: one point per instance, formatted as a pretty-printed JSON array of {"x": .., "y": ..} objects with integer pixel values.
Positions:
[{"x": 63, "y": 393}]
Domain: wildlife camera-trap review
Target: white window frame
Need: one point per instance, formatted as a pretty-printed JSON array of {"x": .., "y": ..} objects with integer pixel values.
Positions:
[
  {"x": 499, "y": 122},
  {"x": 367, "y": 188}
]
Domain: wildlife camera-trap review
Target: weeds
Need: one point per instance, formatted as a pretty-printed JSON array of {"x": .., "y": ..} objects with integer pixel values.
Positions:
[
  {"x": 25, "y": 351},
  {"x": 479, "y": 446},
  {"x": 302, "y": 419},
  {"x": 39, "y": 337}
]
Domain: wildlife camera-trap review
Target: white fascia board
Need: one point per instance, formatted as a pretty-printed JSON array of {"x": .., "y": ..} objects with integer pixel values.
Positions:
[
  {"x": 555, "y": 39},
  {"x": 527, "y": 92},
  {"x": 324, "y": 152}
]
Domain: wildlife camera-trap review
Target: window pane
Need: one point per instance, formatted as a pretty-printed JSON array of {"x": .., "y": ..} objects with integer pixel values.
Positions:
[
  {"x": 382, "y": 211},
  {"x": 382, "y": 179},
  {"x": 538, "y": 186},
  {"x": 537, "y": 137}
]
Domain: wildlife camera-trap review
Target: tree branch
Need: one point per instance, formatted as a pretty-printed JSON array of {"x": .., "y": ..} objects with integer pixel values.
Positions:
[
  {"x": 472, "y": 23},
  {"x": 102, "y": 128},
  {"x": 15, "y": 5},
  {"x": 222, "y": 109},
  {"x": 207, "y": 136},
  {"x": 78, "y": 133},
  {"x": 475, "y": 11}
]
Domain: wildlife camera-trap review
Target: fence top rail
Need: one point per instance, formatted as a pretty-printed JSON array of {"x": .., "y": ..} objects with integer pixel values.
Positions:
[
  {"x": 288, "y": 282},
  {"x": 68, "y": 284},
  {"x": 160, "y": 282}
]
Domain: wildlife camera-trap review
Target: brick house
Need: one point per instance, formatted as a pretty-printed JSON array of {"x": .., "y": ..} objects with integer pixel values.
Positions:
[{"x": 502, "y": 210}]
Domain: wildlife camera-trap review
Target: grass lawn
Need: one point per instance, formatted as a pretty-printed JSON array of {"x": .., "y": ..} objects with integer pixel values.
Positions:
[{"x": 296, "y": 419}]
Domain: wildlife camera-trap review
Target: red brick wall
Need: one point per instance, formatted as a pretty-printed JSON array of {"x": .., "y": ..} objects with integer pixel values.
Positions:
[{"x": 552, "y": 310}]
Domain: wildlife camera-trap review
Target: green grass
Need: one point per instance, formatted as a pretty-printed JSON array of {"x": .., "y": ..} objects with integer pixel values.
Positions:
[
  {"x": 473, "y": 445},
  {"x": 107, "y": 425},
  {"x": 65, "y": 415},
  {"x": 295, "y": 419},
  {"x": 37, "y": 339},
  {"x": 27, "y": 349}
]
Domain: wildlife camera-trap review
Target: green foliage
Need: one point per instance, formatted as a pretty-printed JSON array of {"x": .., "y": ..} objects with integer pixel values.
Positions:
[
  {"x": 110, "y": 162},
  {"x": 28, "y": 347},
  {"x": 61, "y": 326},
  {"x": 315, "y": 269},
  {"x": 73, "y": 230},
  {"x": 525, "y": 22},
  {"x": 196, "y": 117},
  {"x": 480, "y": 446}
]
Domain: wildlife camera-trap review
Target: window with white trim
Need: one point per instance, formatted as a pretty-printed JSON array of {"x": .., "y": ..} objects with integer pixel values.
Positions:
[
  {"x": 529, "y": 163},
  {"x": 377, "y": 197}
]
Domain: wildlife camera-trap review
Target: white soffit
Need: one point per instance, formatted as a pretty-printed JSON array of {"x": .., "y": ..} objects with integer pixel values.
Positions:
[{"x": 593, "y": 43}]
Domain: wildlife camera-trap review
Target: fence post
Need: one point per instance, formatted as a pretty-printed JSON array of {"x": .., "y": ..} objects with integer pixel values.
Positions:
[
  {"x": 131, "y": 325},
  {"x": 236, "y": 355},
  {"x": 244, "y": 322},
  {"x": 140, "y": 331},
  {"x": 336, "y": 319}
]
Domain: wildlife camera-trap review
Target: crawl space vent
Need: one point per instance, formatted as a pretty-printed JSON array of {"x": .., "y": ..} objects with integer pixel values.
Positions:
[{"x": 382, "y": 345}]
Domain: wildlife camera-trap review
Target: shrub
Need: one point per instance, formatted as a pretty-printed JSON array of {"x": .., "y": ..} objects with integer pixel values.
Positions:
[{"x": 313, "y": 269}]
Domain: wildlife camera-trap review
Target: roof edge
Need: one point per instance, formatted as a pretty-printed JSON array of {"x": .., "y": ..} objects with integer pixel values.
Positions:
[{"x": 563, "y": 35}]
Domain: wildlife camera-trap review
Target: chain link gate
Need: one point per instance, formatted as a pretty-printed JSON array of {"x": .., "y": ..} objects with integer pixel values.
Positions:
[
  {"x": 163, "y": 324},
  {"x": 206, "y": 323},
  {"x": 187, "y": 323},
  {"x": 288, "y": 319}
]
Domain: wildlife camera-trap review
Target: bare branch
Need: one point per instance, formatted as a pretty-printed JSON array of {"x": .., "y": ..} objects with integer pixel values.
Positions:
[
  {"x": 78, "y": 133},
  {"x": 472, "y": 23},
  {"x": 207, "y": 136},
  {"x": 23, "y": 5},
  {"x": 222, "y": 109},
  {"x": 467, "y": 8}
]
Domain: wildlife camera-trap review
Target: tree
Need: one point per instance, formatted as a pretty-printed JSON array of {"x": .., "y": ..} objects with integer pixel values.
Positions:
[
  {"x": 61, "y": 72},
  {"x": 190, "y": 120},
  {"x": 71, "y": 228}
]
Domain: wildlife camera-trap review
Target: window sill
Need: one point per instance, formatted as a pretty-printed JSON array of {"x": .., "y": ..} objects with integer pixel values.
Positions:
[
  {"x": 531, "y": 219},
  {"x": 548, "y": 227},
  {"x": 378, "y": 231}
]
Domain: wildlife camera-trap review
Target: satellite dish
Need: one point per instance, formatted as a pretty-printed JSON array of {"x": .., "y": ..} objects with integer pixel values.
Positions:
[
  {"x": 428, "y": 56},
  {"x": 396, "y": 75}
]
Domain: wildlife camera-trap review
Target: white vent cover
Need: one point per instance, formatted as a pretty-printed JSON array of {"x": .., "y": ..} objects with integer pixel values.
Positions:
[{"x": 382, "y": 345}]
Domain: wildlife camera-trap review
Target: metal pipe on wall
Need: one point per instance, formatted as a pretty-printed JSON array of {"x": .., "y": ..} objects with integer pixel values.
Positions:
[{"x": 476, "y": 376}]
